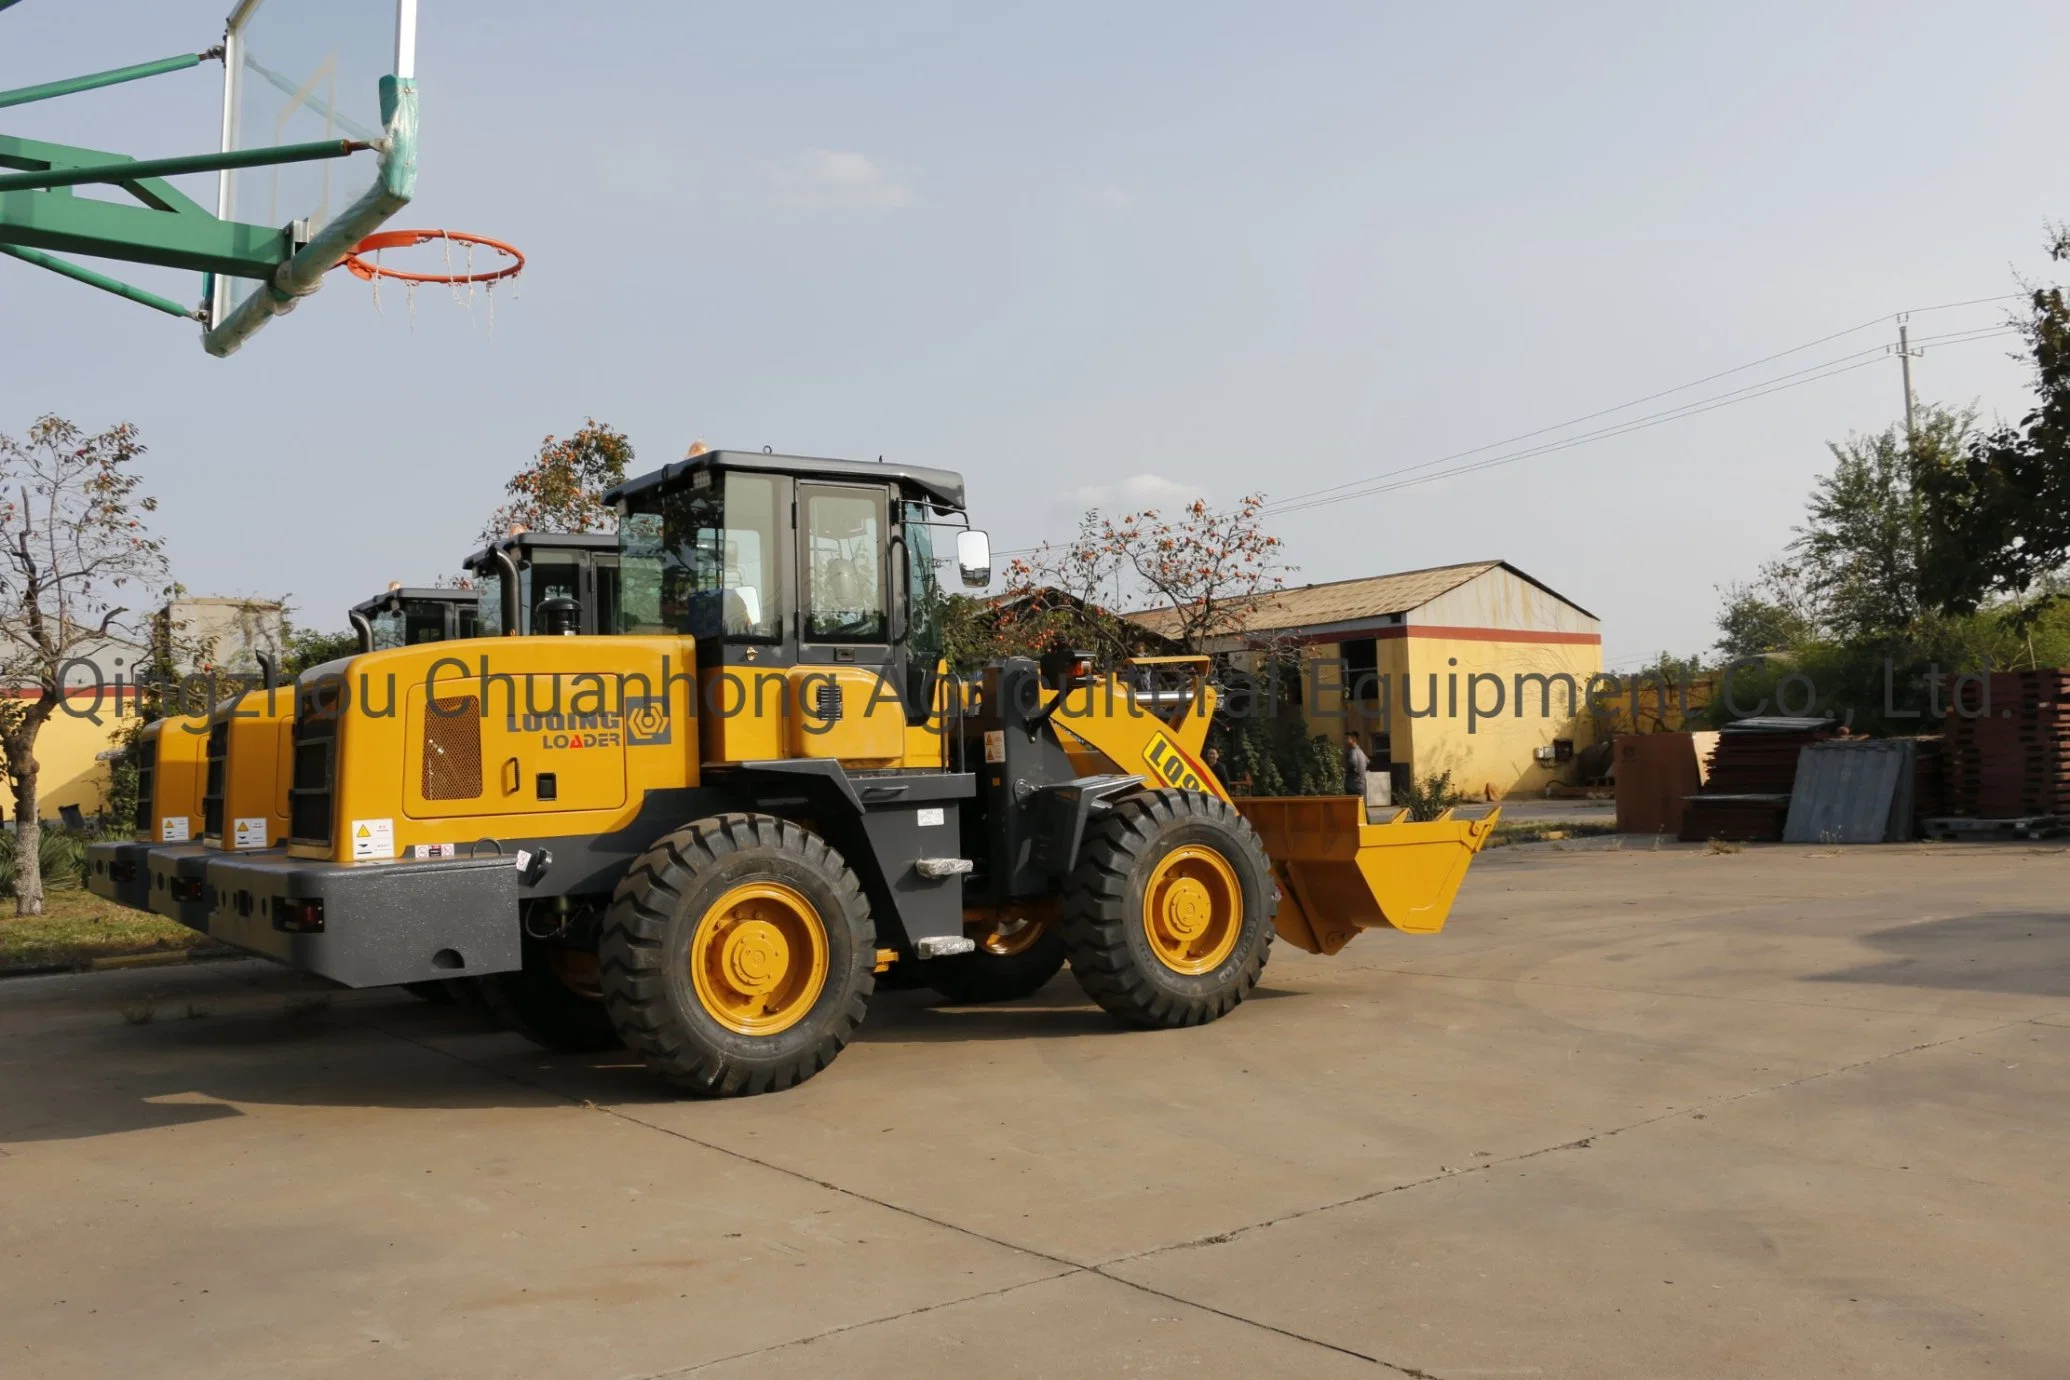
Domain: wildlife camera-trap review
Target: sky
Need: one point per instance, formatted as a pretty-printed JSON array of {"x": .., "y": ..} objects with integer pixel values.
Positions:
[{"x": 1098, "y": 254}]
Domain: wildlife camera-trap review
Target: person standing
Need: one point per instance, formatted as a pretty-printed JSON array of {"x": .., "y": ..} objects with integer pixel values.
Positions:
[{"x": 1354, "y": 768}]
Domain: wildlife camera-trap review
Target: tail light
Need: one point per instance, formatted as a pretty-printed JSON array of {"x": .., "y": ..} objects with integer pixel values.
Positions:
[{"x": 294, "y": 915}]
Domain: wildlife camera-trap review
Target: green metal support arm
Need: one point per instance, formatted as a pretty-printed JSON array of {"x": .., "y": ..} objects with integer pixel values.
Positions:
[
  {"x": 25, "y": 95},
  {"x": 133, "y": 169},
  {"x": 169, "y": 229},
  {"x": 103, "y": 282}
]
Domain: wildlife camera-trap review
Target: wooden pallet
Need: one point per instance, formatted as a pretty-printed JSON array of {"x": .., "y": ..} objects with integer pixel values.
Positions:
[{"x": 1953, "y": 829}]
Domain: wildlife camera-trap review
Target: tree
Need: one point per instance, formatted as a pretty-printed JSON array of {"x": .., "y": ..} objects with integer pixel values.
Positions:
[
  {"x": 1770, "y": 613},
  {"x": 1212, "y": 569},
  {"x": 1998, "y": 515},
  {"x": 562, "y": 490},
  {"x": 306, "y": 647},
  {"x": 72, "y": 526},
  {"x": 1861, "y": 553}
]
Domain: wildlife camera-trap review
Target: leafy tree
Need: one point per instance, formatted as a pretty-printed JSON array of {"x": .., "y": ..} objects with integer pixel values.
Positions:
[
  {"x": 1998, "y": 515},
  {"x": 307, "y": 647},
  {"x": 1212, "y": 569},
  {"x": 562, "y": 490},
  {"x": 1860, "y": 555},
  {"x": 1767, "y": 614},
  {"x": 73, "y": 541}
]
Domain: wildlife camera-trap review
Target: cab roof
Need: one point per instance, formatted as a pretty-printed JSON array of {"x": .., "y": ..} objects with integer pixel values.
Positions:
[
  {"x": 543, "y": 541},
  {"x": 944, "y": 488},
  {"x": 418, "y": 592}
]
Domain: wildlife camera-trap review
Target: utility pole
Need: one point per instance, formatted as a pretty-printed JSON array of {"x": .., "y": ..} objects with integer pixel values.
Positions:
[{"x": 1905, "y": 354}]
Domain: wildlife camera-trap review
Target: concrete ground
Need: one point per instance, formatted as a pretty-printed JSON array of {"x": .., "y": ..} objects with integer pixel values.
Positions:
[{"x": 1637, "y": 1113}]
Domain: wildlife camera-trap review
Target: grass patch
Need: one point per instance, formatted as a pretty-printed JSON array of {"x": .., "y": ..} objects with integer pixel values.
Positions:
[
  {"x": 1547, "y": 831},
  {"x": 79, "y": 927}
]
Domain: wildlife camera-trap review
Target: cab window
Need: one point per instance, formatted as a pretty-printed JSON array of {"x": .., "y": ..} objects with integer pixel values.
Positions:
[
  {"x": 842, "y": 531},
  {"x": 702, "y": 560}
]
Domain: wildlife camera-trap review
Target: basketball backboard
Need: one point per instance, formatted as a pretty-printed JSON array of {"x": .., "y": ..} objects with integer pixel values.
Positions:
[
  {"x": 297, "y": 71},
  {"x": 317, "y": 151}
]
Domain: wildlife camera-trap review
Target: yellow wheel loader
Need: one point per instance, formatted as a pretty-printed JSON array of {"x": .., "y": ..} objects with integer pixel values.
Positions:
[
  {"x": 218, "y": 781},
  {"x": 708, "y": 835},
  {"x": 403, "y": 617},
  {"x": 171, "y": 781},
  {"x": 548, "y": 583}
]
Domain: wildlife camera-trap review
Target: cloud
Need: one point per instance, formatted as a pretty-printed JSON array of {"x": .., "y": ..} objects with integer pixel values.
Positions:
[
  {"x": 1136, "y": 491},
  {"x": 1107, "y": 197},
  {"x": 823, "y": 180}
]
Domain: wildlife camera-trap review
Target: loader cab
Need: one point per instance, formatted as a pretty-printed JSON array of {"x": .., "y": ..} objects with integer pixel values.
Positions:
[
  {"x": 401, "y": 617},
  {"x": 541, "y": 582},
  {"x": 783, "y": 563}
]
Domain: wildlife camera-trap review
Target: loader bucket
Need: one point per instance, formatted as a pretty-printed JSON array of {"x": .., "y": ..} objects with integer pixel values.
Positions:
[{"x": 1338, "y": 874}]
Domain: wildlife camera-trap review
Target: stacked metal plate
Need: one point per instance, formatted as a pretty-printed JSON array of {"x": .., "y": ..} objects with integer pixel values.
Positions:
[
  {"x": 2008, "y": 753},
  {"x": 1746, "y": 794}
]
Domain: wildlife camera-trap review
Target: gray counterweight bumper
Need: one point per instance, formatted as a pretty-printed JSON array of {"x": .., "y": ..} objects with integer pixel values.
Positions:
[
  {"x": 120, "y": 872},
  {"x": 369, "y": 924},
  {"x": 179, "y": 880}
]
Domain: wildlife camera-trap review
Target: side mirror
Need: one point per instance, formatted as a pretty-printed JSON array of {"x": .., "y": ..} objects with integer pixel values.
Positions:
[{"x": 974, "y": 558}]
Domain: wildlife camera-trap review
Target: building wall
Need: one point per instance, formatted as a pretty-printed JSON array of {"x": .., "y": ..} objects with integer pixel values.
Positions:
[
  {"x": 1493, "y": 754},
  {"x": 68, "y": 750},
  {"x": 1496, "y": 628}
]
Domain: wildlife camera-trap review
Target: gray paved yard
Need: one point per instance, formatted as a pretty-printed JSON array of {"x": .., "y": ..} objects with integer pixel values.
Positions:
[{"x": 1648, "y": 1113}]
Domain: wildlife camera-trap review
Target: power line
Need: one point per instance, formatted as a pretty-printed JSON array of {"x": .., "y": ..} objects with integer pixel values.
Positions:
[
  {"x": 1391, "y": 480},
  {"x": 1663, "y": 393}
]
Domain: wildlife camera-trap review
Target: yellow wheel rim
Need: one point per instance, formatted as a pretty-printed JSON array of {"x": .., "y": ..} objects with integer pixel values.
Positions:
[
  {"x": 1192, "y": 910},
  {"x": 1014, "y": 935},
  {"x": 759, "y": 958}
]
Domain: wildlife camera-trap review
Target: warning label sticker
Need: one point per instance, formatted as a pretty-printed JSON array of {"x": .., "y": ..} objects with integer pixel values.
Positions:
[
  {"x": 373, "y": 838},
  {"x": 434, "y": 850},
  {"x": 250, "y": 833},
  {"x": 995, "y": 746},
  {"x": 932, "y": 815},
  {"x": 172, "y": 829}
]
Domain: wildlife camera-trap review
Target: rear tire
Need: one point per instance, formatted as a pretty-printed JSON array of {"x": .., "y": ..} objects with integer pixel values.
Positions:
[
  {"x": 736, "y": 957},
  {"x": 539, "y": 1004},
  {"x": 992, "y": 975},
  {"x": 1168, "y": 916}
]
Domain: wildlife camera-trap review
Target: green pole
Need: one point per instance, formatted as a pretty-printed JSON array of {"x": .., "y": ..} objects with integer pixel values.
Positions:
[
  {"x": 133, "y": 169},
  {"x": 101, "y": 281},
  {"x": 24, "y": 95}
]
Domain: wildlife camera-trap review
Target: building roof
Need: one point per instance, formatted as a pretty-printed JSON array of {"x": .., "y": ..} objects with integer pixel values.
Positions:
[{"x": 1346, "y": 601}]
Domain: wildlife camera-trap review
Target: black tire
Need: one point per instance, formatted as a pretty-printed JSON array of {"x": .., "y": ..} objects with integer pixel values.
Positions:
[
  {"x": 973, "y": 978},
  {"x": 435, "y": 992},
  {"x": 537, "y": 1002},
  {"x": 467, "y": 996},
  {"x": 1102, "y": 910},
  {"x": 655, "y": 917}
]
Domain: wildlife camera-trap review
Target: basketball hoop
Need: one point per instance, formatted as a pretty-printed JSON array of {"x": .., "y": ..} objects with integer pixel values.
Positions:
[{"x": 364, "y": 263}]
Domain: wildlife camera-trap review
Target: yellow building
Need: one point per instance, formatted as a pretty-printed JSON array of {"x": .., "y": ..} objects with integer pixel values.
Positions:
[
  {"x": 71, "y": 766},
  {"x": 1478, "y": 670}
]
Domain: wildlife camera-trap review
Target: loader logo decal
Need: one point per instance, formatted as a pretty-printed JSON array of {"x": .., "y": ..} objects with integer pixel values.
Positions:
[
  {"x": 1169, "y": 765},
  {"x": 646, "y": 721}
]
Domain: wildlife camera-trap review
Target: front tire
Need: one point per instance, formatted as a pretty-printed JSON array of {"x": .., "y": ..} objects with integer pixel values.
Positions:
[
  {"x": 736, "y": 957},
  {"x": 1168, "y": 916}
]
